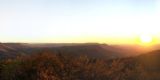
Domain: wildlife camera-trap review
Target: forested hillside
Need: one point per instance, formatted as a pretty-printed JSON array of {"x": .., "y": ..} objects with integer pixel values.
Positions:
[{"x": 49, "y": 66}]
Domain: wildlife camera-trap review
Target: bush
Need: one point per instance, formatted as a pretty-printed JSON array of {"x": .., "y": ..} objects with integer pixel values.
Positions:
[{"x": 49, "y": 66}]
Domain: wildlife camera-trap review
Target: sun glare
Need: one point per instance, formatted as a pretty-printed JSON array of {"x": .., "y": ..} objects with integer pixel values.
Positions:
[{"x": 146, "y": 39}]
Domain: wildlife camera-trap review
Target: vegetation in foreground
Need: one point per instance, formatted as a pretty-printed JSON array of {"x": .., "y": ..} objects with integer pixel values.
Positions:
[{"x": 49, "y": 66}]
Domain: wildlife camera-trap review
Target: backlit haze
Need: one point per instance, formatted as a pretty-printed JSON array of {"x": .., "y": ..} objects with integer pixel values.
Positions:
[{"x": 80, "y": 21}]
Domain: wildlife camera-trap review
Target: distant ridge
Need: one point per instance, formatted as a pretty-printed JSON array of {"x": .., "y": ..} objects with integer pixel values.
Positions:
[{"x": 95, "y": 50}]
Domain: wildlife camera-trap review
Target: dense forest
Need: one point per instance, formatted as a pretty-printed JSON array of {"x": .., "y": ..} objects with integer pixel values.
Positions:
[{"x": 48, "y": 66}]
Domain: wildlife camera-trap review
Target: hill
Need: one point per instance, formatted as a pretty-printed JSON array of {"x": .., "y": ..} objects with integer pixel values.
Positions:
[
  {"x": 79, "y": 62},
  {"x": 90, "y": 49}
]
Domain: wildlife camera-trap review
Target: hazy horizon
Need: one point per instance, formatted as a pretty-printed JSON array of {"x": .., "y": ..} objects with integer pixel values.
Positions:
[{"x": 80, "y": 21}]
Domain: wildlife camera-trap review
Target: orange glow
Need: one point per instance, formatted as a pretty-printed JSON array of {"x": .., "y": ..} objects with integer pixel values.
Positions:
[{"x": 146, "y": 40}]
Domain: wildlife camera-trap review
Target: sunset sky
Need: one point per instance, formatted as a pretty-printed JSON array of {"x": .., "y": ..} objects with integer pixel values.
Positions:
[{"x": 78, "y": 21}]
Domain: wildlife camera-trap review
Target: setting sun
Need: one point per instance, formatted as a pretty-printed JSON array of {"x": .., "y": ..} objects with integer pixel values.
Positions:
[{"x": 146, "y": 39}]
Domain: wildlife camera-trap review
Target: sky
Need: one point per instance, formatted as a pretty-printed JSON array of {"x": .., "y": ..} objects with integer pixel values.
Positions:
[{"x": 78, "y": 21}]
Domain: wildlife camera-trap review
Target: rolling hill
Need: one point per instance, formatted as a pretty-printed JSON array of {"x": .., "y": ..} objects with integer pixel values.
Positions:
[{"x": 90, "y": 49}]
